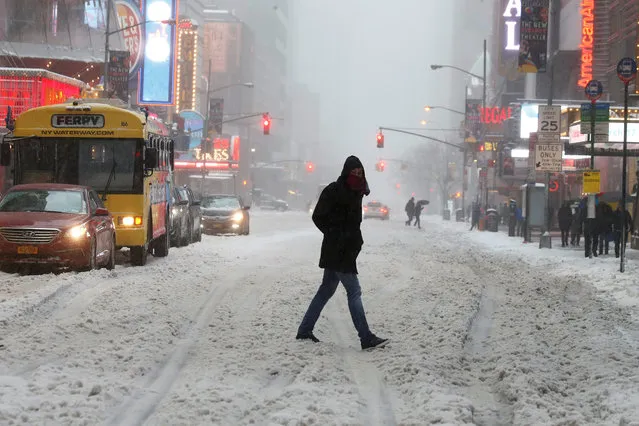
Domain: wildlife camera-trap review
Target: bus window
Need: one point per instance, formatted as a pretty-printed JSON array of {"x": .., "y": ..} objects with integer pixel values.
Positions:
[
  {"x": 102, "y": 158},
  {"x": 37, "y": 159}
]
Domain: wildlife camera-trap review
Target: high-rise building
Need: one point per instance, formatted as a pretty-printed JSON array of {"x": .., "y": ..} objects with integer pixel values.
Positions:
[{"x": 269, "y": 22}]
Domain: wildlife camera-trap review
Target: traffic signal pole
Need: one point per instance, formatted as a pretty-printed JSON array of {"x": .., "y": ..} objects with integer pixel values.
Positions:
[{"x": 391, "y": 129}]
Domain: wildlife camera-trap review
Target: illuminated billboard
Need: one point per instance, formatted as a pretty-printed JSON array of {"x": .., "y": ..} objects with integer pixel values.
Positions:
[
  {"x": 129, "y": 22},
  {"x": 157, "y": 75}
]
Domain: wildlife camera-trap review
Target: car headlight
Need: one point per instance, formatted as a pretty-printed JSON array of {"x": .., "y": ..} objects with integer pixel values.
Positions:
[
  {"x": 78, "y": 232},
  {"x": 175, "y": 210},
  {"x": 238, "y": 216}
]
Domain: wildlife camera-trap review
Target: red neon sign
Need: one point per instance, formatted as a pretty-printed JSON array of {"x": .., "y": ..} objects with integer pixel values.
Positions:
[
  {"x": 495, "y": 115},
  {"x": 210, "y": 165},
  {"x": 587, "y": 41}
]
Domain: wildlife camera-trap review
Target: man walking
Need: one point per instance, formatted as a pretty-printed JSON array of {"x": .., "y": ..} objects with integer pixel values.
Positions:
[
  {"x": 338, "y": 215},
  {"x": 418, "y": 212},
  {"x": 410, "y": 210}
]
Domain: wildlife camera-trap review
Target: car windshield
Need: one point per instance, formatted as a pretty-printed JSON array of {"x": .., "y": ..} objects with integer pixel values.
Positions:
[
  {"x": 374, "y": 204},
  {"x": 42, "y": 200},
  {"x": 224, "y": 203}
]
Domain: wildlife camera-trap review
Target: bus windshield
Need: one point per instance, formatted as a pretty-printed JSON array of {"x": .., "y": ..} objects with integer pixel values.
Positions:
[{"x": 87, "y": 162}]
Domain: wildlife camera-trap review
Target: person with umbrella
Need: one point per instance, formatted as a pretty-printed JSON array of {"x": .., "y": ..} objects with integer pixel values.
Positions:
[{"x": 419, "y": 206}]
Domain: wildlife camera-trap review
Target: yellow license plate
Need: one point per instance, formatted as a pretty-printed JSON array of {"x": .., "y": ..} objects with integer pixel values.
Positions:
[{"x": 27, "y": 250}]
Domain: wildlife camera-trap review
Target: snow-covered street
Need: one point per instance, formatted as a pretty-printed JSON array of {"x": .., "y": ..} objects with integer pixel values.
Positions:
[{"x": 483, "y": 331}]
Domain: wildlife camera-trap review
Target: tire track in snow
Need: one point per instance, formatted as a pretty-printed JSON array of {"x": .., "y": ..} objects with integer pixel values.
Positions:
[
  {"x": 489, "y": 406},
  {"x": 138, "y": 408},
  {"x": 142, "y": 404},
  {"x": 377, "y": 408}
]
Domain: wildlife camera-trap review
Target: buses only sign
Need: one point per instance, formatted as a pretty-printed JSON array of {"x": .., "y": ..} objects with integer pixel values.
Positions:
[{"x": 548, "y": 157}]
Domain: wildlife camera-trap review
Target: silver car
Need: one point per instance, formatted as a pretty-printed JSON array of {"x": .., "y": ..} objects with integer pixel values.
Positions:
[{"x": 376, "y": 210}]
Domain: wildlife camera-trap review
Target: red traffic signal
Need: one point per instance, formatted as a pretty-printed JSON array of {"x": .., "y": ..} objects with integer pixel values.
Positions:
[
  {"x": 266, "y": 124},
  {"x": 380, "y": 139},
  {"x": 481, "y": 147},
  {"x": 310, "y": 167},
  {"x": 380, "y": 166}
]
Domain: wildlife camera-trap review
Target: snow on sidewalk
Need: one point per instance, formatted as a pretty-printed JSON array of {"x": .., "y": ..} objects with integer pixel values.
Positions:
[{"x": 602, "y": 272}]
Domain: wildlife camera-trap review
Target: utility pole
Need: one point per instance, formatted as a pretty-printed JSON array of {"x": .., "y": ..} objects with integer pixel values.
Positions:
[
  {"x": 206, "y": 128},
  {"x": 105, "y": 83},
  {"x": 483, "y": 109}
]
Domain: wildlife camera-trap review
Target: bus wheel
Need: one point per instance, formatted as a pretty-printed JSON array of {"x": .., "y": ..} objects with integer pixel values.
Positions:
[
  {"x": 138, "y": 255},
  {"x": 161, "y": 246}
]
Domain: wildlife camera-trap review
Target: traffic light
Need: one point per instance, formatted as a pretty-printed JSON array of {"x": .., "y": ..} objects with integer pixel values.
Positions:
[
  {"x": 266, "y": 124},
  {"x": 310, "y": 167},
  {"x": 380, "y": 166},
  {"x": 480, "y": 147},
  {"x": 380, "y": 139}
]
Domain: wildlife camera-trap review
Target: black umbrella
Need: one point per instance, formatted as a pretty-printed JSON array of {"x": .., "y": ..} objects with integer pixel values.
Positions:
[{"x": 422, "y": 202}]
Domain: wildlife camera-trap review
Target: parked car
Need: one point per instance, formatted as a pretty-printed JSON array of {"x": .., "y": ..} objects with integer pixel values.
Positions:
[
  {"x": 268, "y": 202},
  {"x": 224, "y": 214},
  {"x": 186, "y": 217},
  {"x": 56, "y": 225},
  {"x": 376, "y": 210}
]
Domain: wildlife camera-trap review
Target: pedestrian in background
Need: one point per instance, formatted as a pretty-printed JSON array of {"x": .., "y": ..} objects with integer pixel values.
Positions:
[
  {"x": 338, "y": 215},
  {"x": 410, "y": 210},
  {"x": 564, "y": 217},
  {"x": 620, "y": 216}
]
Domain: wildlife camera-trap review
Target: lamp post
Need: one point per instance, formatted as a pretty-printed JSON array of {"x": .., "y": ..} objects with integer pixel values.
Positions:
[
  {"x": 108, "y": 33},
  {"x": 483, "y": 99}
]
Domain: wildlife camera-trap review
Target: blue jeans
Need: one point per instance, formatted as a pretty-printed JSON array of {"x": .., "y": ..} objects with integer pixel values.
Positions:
[{"x": 326, "y": 290}]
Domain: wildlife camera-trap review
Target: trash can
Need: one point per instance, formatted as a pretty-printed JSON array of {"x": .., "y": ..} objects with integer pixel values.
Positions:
[
  {"x": 446, "y": 214},
  {"x": 492, "y": 220},
  {"x": 459, "y": 215}
]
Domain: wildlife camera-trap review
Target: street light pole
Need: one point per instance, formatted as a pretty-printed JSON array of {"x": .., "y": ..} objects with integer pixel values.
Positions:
[
  {"x": 105, "y": 83},
  {"x": 483, "y": 109}
]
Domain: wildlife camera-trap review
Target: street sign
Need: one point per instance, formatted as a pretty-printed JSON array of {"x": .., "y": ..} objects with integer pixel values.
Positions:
[
  {"x": 592, "y": 182},
  {"x": 548, "y": 157},
  {"x": 627, "y": 70},
  {"x": 602, "y": 119},
  {"x": 594, "y": 90},
  {"x": 548, "y": 138},
  {"x": 549, "y": 119}
]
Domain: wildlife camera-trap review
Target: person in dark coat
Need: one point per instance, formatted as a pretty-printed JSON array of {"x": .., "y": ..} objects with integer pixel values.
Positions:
[
  {"x": 576, "y": 227},
  {"x": 338, "y": 215},
  {"x": 564, "y": 217},
  {"x": 418, "y": 212},
  {"x": 620, "y": 215},
  {"x": 410, "y": 210},
  {"x": 604, "y": 222},
  {"x": 476, "y": 213}
]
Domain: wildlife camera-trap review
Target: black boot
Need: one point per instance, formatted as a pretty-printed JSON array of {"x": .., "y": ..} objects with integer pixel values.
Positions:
[
  {"x": 307, "y": 336},
  {"x": 374, "y": 342}
]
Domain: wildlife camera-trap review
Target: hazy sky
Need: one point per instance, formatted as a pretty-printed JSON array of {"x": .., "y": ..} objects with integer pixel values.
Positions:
[{"x": 369, "y": 61}]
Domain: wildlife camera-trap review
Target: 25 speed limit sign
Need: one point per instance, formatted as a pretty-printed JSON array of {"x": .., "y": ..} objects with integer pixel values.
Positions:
[{"x": 549, "y": 118}]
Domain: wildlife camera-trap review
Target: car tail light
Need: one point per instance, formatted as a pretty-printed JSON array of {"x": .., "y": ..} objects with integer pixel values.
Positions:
[{"x": 365, "y": 208}]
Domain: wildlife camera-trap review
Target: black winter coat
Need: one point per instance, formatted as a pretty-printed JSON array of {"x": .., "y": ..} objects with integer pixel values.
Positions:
[
  {"x": 338, "y": 215},
  {"x": 564, "y": 217}
]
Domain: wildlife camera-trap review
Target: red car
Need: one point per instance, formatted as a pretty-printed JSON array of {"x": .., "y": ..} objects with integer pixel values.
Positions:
[{"x": 56, "y": 225}]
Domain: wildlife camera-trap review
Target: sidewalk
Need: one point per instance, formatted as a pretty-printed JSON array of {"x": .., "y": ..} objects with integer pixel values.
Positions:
[{"x": 602, "y": 272}]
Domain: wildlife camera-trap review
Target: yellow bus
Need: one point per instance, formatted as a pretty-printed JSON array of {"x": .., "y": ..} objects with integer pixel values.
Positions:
[{"x": 123, "y": 154}]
